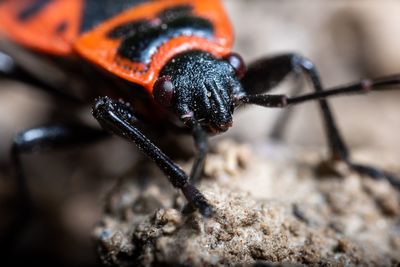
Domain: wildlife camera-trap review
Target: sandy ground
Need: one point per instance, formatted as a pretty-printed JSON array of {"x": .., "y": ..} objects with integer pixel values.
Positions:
[
  {"x": 271, "y": 206},
  {"x": 347, "y": 41}
]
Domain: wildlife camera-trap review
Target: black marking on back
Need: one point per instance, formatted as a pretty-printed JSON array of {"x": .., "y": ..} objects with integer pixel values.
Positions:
[
  {"x": 173, "y": 12},
  {"x": 62, "y": 27},
  {"x": 140, "y": 39},
  {"x": 96, "y": 11},
  {"x": 32, "y": 9},
  {"x": 128, "y": 29}
]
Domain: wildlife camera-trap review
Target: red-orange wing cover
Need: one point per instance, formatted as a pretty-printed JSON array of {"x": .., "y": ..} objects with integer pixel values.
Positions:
[
  {"x": 102, "y": 51},
  {"x": 47, "y": 26},
  {"x": 53, "y": 27}
]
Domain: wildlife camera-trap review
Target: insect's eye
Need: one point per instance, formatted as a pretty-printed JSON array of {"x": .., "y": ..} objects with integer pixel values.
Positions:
[
  {"x": 236, "y": 61},
  {"x": 163, "y": 91}
]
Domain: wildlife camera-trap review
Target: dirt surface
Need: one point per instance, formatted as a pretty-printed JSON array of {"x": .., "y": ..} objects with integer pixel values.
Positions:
[
  {"x": 347, "y": 40},
  {"x": 271, "y": 206}
]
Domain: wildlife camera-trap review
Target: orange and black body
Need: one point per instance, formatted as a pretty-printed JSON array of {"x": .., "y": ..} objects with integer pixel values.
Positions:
[
  {"x": 175, "y": 52},
  {"x": 131, "y": 39},
  {"x": 170, "y": 59}
]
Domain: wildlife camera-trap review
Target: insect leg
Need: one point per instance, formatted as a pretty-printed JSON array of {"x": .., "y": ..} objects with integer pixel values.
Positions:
[
  {"x": 37, "y": 140},
  {"x": 118, "y": 118},
  {"x": 279, "y": 127},
  {"x": 338, "y": 148},
  {"x": 273, "y": 70},
  {"x": 49, "y": 138},
  {"x": 201, "y": 142}
]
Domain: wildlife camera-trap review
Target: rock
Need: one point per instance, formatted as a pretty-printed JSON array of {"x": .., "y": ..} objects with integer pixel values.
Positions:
[{"x": 269, "y": 210}]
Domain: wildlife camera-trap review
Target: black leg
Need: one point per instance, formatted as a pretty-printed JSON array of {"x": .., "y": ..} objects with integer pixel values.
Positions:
[
  {"x": 296, "y": 63},
  {"x": 36, "y": 140},
  {"x": 118, "y": 118},
  {"x": 49, "y": 138},
  {"x": 279, "y": 127},
  {"x": 273, "y": 70},
  {"x": 201, "y": 141},
  {"x": 265, "y": 74}
]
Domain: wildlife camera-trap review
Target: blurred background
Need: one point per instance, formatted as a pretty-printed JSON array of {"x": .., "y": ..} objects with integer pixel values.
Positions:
[{"x": 347, "y": 40}]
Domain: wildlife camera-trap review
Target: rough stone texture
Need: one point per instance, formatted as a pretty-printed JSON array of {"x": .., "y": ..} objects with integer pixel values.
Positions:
[
  {"x": 348, "y": 40},
  {"x": 270, "y": 207}
]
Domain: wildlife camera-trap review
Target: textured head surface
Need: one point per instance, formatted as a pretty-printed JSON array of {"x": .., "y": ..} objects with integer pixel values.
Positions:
[{"x": 204, "y": 89}]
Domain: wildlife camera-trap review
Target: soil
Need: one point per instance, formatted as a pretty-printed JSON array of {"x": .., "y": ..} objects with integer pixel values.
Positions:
[{"x": 272, "y": 206}]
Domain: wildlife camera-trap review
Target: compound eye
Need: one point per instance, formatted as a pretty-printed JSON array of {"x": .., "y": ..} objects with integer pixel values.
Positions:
[
  {"x": 163, "y": 91},
  {"x": 236, "y": 61}
]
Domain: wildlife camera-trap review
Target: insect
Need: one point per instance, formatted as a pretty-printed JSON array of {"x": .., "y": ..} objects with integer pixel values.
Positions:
[{"x": 170, "y": 61}]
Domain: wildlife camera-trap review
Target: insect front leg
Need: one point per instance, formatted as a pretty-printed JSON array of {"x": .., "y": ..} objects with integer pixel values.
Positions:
[
  {"x": 275, "y": 69},
  {"x": 118, "y": 118}
]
